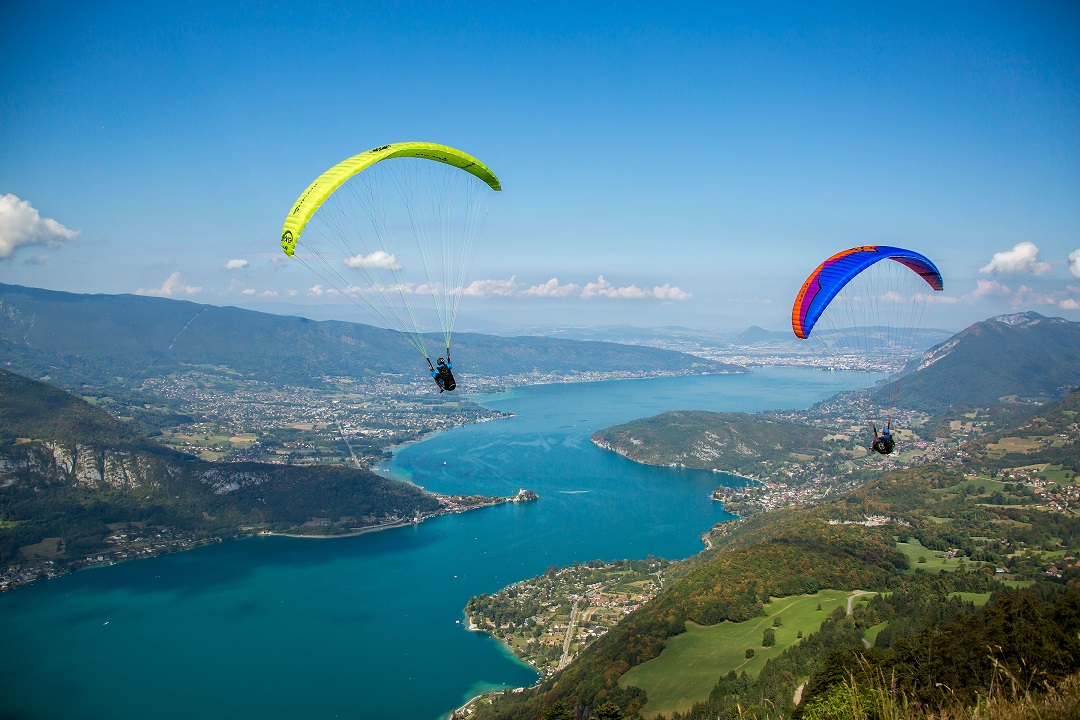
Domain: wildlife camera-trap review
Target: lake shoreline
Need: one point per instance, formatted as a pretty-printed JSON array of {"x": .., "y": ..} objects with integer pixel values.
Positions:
[
  {"x": 27, "y": 573},
  {"x": 402, "y": 592}
]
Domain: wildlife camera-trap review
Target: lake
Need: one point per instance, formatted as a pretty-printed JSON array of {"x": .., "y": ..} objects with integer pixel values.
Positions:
[{"x": 372, "y": 626}]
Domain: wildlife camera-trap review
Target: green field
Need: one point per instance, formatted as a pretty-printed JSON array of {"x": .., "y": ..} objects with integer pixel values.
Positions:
[
  {"x": 871, "y": 633},
  {"x": 1055, "y": 474},
  {"x": 691, "y": 663},
  {"x": 934, "y": 560},
  {"x": 987, "y": 484},
  {"x": 979, "y": 599},
  {"x": 1015, "y": 445}
]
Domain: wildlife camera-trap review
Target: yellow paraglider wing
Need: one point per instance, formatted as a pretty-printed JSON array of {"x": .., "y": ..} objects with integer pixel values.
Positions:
[{"x": 324, "y": 185}]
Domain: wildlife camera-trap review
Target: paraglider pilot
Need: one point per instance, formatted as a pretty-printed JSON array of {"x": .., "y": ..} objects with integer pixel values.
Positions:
[
  {"x": 884, "y": 442},
  {"x": 442, "y": 375}
]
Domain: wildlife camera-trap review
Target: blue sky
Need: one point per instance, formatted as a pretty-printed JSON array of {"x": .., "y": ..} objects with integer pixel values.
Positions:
[{"x": 723, "y": 151}]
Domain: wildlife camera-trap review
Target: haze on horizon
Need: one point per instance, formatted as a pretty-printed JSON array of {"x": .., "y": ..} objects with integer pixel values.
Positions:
[{"x": 686, "y": 166}]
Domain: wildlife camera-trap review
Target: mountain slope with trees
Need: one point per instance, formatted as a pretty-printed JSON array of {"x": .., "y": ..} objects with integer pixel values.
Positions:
[
  {"x": 76, "y": 339},
  {"x": 1023, "y": 355},
  {"x": 731, "y": 442},
  {"x": 68, "y": 470},
  {"x": 851, "y": 542}
]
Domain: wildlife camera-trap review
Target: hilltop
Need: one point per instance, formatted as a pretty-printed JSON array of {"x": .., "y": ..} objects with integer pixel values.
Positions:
[
  {"x": 729, "y": 442},
  {"x": 998, "y": 363},
  {"x": 1002, "y": 359}
]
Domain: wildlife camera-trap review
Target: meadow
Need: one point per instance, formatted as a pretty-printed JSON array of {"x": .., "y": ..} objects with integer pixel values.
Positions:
[{"x": 691, "y": 663}]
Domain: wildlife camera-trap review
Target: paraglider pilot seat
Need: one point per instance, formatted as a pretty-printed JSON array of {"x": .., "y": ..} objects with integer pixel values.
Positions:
[
  {"x": 884, "y": 442},
  {"x": 443, "y": 377}
]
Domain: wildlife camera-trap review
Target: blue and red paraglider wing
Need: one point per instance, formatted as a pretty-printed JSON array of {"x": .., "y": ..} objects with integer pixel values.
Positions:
[{"x": 831, "y": 276}]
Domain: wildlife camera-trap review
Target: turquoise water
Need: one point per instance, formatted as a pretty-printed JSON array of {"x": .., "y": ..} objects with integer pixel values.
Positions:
[{"x": 368, "y": 627}]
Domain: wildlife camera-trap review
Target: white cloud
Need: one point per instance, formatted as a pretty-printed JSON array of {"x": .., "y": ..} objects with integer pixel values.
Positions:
[
  {"x": 669, "y": 292},
  {"x": 1021, "y": 260},
  {"x": 36, "y": 260},
  {"x": 552, "y": 288},
  {"x": 1074, "y": 263},
  {"x": 21, "y": 224},
  {"x": 268, "y": 293},
  {"x": 988, "y": 288},
  {"x": 398, "y": 288},
  {"x": 173, "y": 285},
  {"x": 491, "y": 288},
  {"x": 379, "y": 260},
  {"x": 603, "y": 288},
  {"x": 1023, "y": 296},
  {"x": 315, "y": 290},
  {"x": 236, "y": 264},
  {"x": 1028, "y": 296},
  {"x": 248, "y": 291},
  {"x": 291, "y": 293}
]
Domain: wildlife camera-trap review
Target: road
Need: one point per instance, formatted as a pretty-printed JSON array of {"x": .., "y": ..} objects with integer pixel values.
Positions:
[
  {"x": 565, "y": 659},
  {"x": 851, "y": 598},
  {"x": 850, "y": 603}
]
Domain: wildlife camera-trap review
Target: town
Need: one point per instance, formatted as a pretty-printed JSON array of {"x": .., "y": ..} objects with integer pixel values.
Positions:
[
  {"x": 789, "y": 482},
  {"x": 549, "y": 619},
  {"x": 223, "y": 417}
]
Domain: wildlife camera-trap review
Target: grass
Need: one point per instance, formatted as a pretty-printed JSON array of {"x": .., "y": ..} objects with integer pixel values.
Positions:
[
  {"x": 1016, "y": 445},
  {"x": 49, "y": 548},
  {"x": 1055, "y": 474},
  {"x": 979, "y": 599},
  {"x": 871, "y": 633},
  {"x": 691, "y": 663},
  {"x": 981, "y": 481},
  {"x": 864, "y": 700},
  {"x": 934, "y": 560}
]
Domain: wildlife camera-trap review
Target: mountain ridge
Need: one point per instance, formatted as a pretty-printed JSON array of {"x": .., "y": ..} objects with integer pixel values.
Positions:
[
  {"x": 68, "y": 470},
  {"x": 80, "y": 339},
  {"x": 1026, "y": 355}
]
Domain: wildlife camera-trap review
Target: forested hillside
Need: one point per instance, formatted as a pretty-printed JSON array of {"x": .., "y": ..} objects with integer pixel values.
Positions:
[
  {"x": 103, "y": 339},
  {"x": 1025, "y": 355},
  {"x": 924, "y": 534},
  {"x": 68, "y": 470},
  {"x": 731, "y": 442}
]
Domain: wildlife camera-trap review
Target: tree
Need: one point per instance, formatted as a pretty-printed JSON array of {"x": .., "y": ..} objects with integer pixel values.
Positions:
[
  {"x": 557, "y": 711},
  {"x": 777, "y": 622},
  {"x": 607, "y": 711},
  {"x": 769, "y": 638},
  {"x": 749, "y": 653}
]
